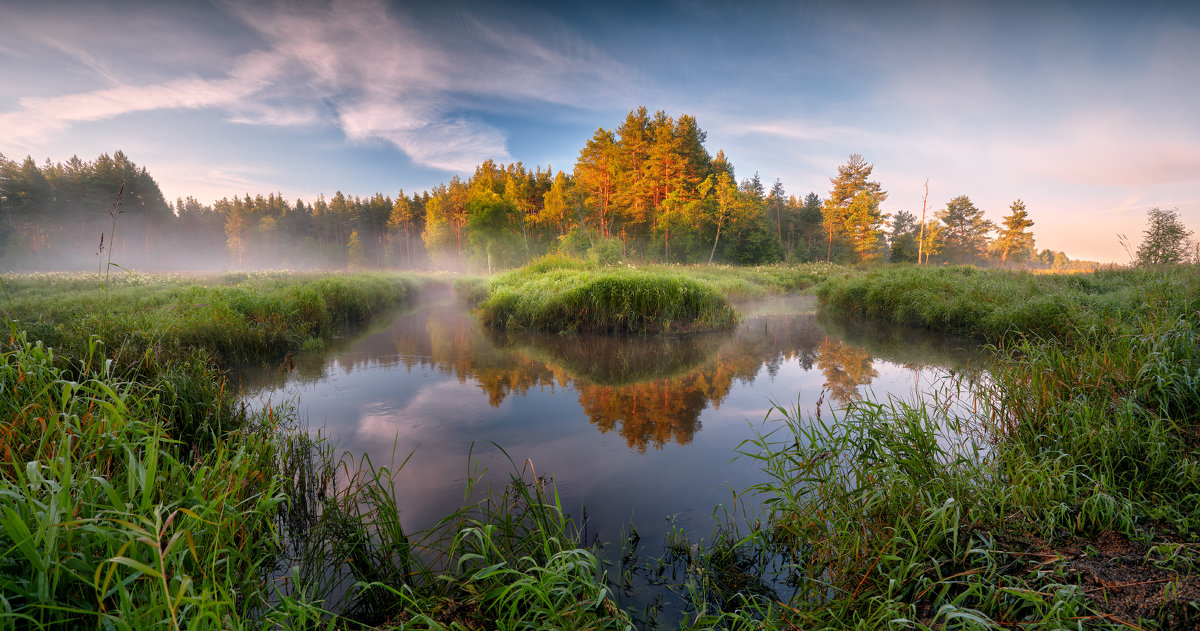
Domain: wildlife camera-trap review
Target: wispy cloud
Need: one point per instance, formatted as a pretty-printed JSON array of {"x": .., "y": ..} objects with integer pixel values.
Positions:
[
  {"x": 39, "y": 116},
  {"x": 802, "y": 130},
  {"x": 358, "y": 64},
  {"x": 390, "y": 79}
]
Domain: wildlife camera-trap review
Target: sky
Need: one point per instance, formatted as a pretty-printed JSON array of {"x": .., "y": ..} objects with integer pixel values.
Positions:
[{"x": 1086, "y": 111}]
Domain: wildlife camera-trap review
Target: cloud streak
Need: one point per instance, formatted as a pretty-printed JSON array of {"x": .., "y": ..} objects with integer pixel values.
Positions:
[{"x": 360, "y": 65}]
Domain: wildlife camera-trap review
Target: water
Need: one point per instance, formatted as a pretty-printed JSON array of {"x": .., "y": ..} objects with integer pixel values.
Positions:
[{"x": 633, "y": 430}]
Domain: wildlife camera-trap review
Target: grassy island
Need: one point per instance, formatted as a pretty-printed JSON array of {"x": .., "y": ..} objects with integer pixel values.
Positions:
[{"x": 568, "y": 295}]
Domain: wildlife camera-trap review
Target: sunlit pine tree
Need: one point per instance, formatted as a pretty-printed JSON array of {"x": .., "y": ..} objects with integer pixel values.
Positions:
[
  {"x": 1015, "y": 241},
  {"x": 851, "y": 181}
]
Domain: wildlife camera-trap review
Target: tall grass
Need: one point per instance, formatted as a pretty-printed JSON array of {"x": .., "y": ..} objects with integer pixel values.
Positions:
[
  {"x": 509, "y": 558},
  {"x": 135, "y": 494},
  {"x": 236, "y": 317},
  {"x": 109, "y": 521},
  {"x": 903, "y": 514}
]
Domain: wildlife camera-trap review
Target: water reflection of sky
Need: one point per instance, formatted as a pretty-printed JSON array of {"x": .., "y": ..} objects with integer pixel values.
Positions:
[{"x": 639, "y": 429}]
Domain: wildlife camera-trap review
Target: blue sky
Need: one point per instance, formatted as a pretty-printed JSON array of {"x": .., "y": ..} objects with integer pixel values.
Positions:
[{"x": 1087, "y": 111}]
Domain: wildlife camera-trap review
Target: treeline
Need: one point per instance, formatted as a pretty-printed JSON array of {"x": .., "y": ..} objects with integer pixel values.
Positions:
[
  {"x": 52, "y": 216},
  {"x": 648, "y": 191}
]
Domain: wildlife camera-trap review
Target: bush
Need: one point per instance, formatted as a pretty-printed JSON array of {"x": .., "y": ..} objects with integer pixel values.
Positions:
[{"x": 606, "y": 252}]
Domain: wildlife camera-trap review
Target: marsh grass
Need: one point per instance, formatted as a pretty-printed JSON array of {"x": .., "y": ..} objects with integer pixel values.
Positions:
[
  {"x": 109, "y": 521},
  {"x": 236, "y": 318},
  {"x": 915, "y": 514},
  {"x": 562, "y": 294},
  {"x": 991, "y": 304},
  {"x": 508, "y": 558},
  {"x": 135, "y": 494},
  {"x": 617, "y": 301}
]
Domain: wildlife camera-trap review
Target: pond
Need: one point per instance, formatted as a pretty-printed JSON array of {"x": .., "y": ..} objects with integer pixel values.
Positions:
[{"x": 639, "y": 431}]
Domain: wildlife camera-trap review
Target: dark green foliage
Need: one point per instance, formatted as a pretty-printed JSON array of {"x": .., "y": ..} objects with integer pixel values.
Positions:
[
  {"x": 1166, "y": 239},
  {"x": 753, "y": 244},
  {"x": 605, "y": 252},
  {"x": 492, "y": 232},
  {"x": 903, "y": 238},
  {"x": 966, "y": 231}
]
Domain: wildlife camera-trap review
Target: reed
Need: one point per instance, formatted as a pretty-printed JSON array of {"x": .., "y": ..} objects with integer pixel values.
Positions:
[
  {"x": 982, "y": 507},
  {"x": 110, "y": 521}
]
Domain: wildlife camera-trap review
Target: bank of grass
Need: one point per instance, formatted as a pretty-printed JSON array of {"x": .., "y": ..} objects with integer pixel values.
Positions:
[
  {"x": 609, "y": 301},
  {"x": 1062, "y": 492},
  {"x": 235, "y": 317},
  {"x": 558, "y": 294},
  {"x": 989, "y": 304}
]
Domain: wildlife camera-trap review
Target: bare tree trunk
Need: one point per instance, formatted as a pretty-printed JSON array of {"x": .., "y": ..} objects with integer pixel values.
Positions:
[
  {"x": 921, "y": 235},
  {"x": 714, "y": 248},
  {"x": 779, "y": 224}
]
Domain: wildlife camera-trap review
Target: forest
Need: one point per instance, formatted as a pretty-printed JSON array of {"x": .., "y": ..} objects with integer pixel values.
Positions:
[{"x": 648, "y": 190}]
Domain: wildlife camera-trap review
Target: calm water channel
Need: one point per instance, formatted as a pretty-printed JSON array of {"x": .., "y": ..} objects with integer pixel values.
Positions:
[{"x": 631, "y": 429}]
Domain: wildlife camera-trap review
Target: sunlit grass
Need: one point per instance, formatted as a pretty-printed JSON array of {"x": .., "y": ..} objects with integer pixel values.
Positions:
[
  {"x": 988, "y": 304},
  {"x": 559, "y": 294}
]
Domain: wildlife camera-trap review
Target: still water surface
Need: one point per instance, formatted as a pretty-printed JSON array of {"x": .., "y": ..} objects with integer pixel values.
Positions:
[{"x": 631, "y": 429}]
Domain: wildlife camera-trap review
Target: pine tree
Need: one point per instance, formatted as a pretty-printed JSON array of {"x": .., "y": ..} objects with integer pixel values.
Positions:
[
  {"x": 851, "y": 181},
  {"x": 1014, "y": 241},
  {"x": 966, "y": 230},
  {"x": 595, "y": 173},
  {"x": 903, "y": 238},
  {"x": 863, "y": 225}
]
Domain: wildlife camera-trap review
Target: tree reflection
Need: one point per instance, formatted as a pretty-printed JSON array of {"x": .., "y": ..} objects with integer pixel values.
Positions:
[
  {"x": 845, "y": 368},
  {"x": 652, "y": 391}
]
